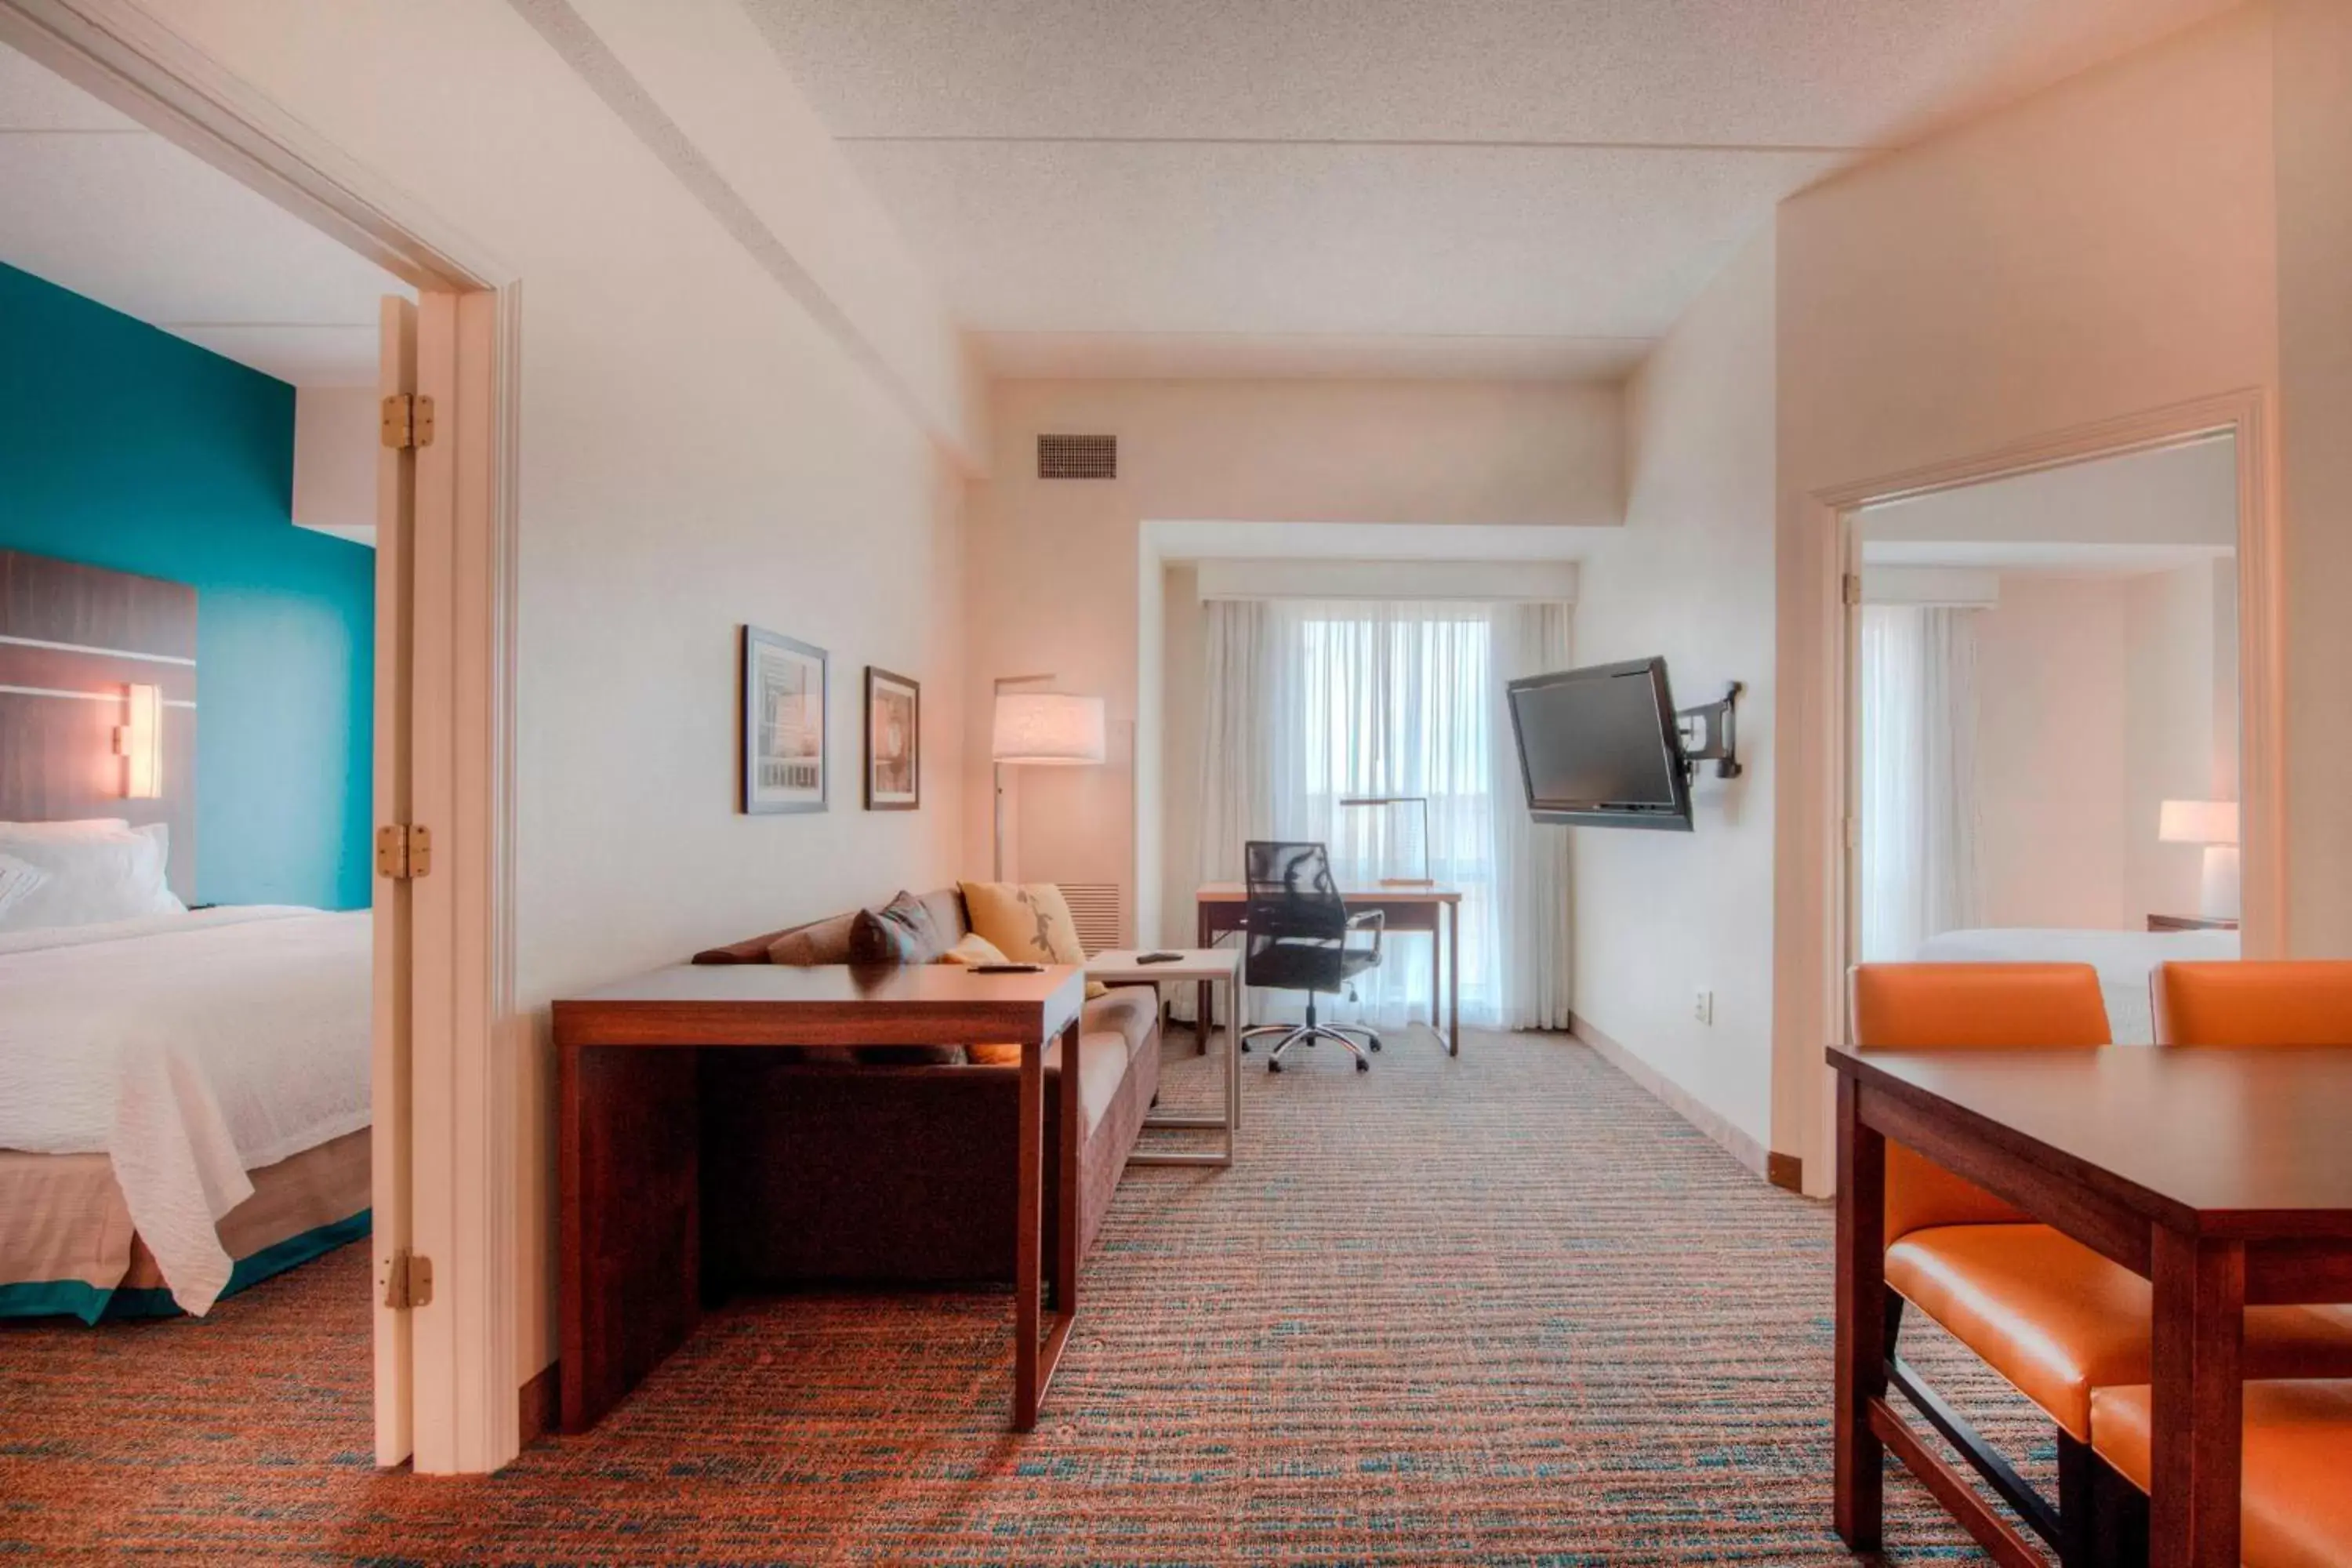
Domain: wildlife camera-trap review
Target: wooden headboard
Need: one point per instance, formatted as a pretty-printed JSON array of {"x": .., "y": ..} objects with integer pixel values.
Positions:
[{"x": 73, "y": 640}]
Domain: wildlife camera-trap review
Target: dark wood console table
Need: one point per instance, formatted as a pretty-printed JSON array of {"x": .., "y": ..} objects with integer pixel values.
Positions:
[{"x": 630, "y": 1119}]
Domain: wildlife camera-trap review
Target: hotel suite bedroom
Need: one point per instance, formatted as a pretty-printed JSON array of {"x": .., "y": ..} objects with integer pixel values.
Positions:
[
  {"x": 187, "y": 578},
  {"x": 2047, "y": 722}
]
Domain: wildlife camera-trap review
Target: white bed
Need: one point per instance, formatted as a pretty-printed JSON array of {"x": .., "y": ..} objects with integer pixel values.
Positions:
[
  {"x": 2125, "y": 960},
  {"x": 188, "y": 1049}
]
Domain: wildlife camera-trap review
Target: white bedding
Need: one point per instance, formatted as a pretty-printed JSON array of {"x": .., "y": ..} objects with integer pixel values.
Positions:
[
  {"x": 188, "y": 1049},
  {"x": 2125, "y": 960}
]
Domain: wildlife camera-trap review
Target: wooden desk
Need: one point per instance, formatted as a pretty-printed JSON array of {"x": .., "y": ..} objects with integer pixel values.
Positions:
[
  {"x": 2223, "y": 1176},
  {"x": 629, "y": 1123},
  {"x": 1222, "y": 904}
]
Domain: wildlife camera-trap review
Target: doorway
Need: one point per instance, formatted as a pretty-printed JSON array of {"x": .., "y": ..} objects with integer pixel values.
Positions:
[
  {"x": 432, "y": 847},
  {"x": 2044, "y": 713}
]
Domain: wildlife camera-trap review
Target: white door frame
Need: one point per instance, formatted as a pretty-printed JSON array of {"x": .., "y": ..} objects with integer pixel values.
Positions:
[
  {"x": 459, "y": 1411},
  {"x": 1828, "y": 517}
]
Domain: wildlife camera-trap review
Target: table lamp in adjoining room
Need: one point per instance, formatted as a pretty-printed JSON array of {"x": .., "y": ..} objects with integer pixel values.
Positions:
[
  {"x": 1040, "y": 729},
  {"x": 2214, "y": 825}
]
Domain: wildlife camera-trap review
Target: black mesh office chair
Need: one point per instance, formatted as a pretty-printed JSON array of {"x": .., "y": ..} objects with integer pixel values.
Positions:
[{"x": 1296, "y": 934}]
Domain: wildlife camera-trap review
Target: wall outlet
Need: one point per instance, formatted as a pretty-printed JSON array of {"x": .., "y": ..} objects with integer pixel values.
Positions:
[{"x": 1703, "y": 1005}]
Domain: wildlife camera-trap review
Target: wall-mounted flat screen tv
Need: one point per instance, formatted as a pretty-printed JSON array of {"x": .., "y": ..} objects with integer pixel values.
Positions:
[{"x": 1598, "y": 747}]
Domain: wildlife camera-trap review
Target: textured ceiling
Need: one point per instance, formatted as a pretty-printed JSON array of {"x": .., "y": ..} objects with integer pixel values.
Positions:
[
  {"x": 1478, "y": 187},
  {"x": 93, "y": 202}
]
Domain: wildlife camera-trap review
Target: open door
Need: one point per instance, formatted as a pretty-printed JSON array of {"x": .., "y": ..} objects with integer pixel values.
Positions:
[
  {"x": 396, "y": 1282},
  {"x": 447, "y": 1398}
]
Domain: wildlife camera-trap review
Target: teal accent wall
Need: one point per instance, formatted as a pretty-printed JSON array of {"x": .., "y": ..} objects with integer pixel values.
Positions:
[{"x": 124, "y": 446}]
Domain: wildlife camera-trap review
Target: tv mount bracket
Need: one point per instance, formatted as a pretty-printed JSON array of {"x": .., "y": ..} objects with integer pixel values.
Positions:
[{"x": 1718, "y": 724}]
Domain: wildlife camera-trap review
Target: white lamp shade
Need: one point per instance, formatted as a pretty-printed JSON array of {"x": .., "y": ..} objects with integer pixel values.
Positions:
[
  {"x": 1047, "y": 727},
  {"x": 2198, "y": 822}
]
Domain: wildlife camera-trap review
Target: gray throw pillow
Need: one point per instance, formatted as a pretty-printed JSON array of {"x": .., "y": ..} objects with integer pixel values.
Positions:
[{"x": 901, "y": 931}]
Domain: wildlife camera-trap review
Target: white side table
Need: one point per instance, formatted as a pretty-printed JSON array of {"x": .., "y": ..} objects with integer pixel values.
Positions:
[{"x": 1196, "y": 966}]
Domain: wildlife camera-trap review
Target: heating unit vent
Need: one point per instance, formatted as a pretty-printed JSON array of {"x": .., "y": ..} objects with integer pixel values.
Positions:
[
  {"x": 1093, "y": 910},
  {"x": 1077, "y": 456}
]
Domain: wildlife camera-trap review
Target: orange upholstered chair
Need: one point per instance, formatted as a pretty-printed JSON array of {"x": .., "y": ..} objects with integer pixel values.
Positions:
[
  {"x": 2296, "y": 1508},
  {"x": 1966, "y": 1006},
  {"x": 1965, "y": 1258},
  {"x": 2292, "y": 1002},
  {"x": 2046, "y": 1312}
]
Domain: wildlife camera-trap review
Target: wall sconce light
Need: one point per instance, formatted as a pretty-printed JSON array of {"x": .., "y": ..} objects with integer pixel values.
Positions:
[{"x": 141, "y": 741}]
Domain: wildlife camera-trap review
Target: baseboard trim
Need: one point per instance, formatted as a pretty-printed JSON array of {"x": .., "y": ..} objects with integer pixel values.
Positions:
[
  {"x": 1735, "y": 1142},
  {"x": 540, "y": 1404}
]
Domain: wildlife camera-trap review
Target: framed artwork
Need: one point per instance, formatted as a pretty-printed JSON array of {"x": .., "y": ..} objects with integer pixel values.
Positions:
[
  {"x": 894, "y": 741},
  {"x": 783, "y": 723}
]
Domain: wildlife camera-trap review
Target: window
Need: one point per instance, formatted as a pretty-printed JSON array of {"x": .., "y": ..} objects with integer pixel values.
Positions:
[{"x": 1394, "y": 699}]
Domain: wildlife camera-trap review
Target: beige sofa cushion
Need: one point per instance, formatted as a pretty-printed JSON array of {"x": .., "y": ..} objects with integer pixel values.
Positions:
[
  {"x": 1128, "y": 1011},
  {"x": 1111, "y": 1029}
]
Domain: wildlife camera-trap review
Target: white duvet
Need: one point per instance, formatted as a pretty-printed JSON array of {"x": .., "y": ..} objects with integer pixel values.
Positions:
[
  {"x": 188, "y": 1049},
  {"x": 2125, "y": 960}
]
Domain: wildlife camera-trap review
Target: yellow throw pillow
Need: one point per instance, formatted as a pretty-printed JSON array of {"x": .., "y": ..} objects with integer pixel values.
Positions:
[
  {"x": 977, "y": 949},
  {"x": 1028, "y": 921},
  {"x": 973, "y": 948}
]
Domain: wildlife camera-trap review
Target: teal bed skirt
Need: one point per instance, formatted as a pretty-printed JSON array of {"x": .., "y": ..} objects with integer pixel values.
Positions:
[{"x": 95, "y": 1303}]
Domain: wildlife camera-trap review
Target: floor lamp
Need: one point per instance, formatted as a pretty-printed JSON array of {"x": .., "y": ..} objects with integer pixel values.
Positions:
[{"x": 1039, "y": 729}]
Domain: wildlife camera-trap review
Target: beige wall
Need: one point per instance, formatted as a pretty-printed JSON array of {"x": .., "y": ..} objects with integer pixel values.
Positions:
[
  {"x": 2312, "y": 120},
  {"x": 1182, "y": 713},
  {"x": 705, "y": 443},
  {"x": 1661, "y": 915},
  {"x": 1057, "y": 579},
  {"x": 2052, "y": 755},
  {"x": 2180, "y": 726},
  {"x": 2103, "y": 248},
  {"x": 337, "y": 434}
]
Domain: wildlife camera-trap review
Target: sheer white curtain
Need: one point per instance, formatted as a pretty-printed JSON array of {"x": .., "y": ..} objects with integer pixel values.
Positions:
[
  {"x": 1309, "y": 702},
  {"x": 1918, "y": 804},
  {"x": 1531, "y": 892}
]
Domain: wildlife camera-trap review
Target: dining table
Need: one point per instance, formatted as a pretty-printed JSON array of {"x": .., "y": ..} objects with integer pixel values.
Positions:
[{"x": 2220, "y": 1174}]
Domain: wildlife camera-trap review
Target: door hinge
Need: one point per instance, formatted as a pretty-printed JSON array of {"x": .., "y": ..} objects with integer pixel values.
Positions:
[
  {"x": 1854, "y": 587},
  {"x": 408, "y": 1281},
  {"x": 407, "y": 421},
  {"x": 403, "y": 853}
]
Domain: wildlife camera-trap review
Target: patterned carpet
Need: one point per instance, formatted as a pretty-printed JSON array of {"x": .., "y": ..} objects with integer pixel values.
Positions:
[{"x": 1500, "y": 1310}]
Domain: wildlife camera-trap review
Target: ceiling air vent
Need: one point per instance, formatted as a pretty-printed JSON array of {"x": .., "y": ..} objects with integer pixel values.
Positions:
[{"x": 1077, "y": 456}]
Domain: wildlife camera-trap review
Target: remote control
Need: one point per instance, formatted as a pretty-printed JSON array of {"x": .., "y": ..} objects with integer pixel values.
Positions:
[
  {"x": 1007, "y": 968},
  {"x": 1158, "y": 957}
]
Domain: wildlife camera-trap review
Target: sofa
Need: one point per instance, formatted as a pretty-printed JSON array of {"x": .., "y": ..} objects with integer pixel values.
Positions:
[{"x": 896, "y": 1164}]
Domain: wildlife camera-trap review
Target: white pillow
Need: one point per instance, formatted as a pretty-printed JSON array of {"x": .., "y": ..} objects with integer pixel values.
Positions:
[
  {"x": 89, "y": 878},
  {"x": 80, "y": 828},
  {"x": 17, "y": 878}
]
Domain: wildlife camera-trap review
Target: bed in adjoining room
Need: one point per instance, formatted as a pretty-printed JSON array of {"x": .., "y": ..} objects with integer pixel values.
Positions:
[
  {"x": 183, "y": 1106},
  {"x": 184, "y": 1093}
]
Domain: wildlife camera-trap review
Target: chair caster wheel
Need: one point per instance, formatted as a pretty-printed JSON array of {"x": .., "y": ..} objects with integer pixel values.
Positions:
[
  {"x": 1376, "y": 1044},
  {"x": 1274, "y": 1067},
  {"x": 1245, "y": 1050},
  {"x": 1363, "y": 1065}
]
